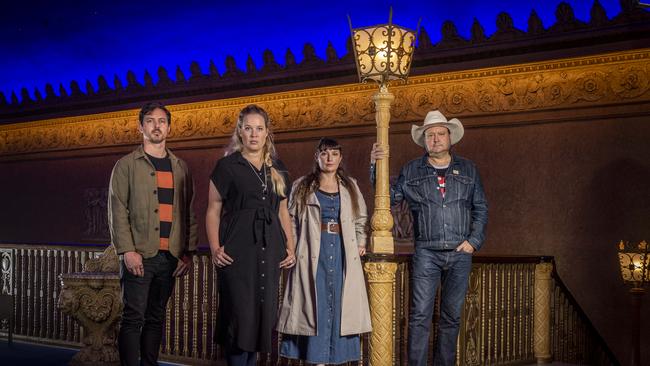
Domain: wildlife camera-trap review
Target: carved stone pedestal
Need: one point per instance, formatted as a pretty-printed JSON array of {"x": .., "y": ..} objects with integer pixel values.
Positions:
[
  {"x": 380, "y": 271},
  {"x": 94, "y": 300}
]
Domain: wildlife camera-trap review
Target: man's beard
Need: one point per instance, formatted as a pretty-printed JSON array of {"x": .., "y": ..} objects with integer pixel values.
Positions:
[{"x": 156, "y": 139}]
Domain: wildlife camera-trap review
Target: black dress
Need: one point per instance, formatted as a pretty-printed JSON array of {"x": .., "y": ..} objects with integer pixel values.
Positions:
[{"x": 252, "y": 235}]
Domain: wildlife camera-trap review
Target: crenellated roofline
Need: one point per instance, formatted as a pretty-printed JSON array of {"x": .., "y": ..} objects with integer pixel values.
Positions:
[{"x": 567, "y": 37}]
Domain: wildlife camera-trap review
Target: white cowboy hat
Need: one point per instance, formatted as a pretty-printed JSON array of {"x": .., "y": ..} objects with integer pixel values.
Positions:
[{"x": 435, "y": 118}]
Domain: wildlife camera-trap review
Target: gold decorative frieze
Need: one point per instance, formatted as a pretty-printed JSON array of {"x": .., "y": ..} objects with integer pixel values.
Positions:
[{"x": 615, "y": 78}]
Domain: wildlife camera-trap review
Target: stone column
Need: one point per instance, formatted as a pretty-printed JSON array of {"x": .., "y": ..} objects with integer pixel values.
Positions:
[
  {"x": 542, "y": 317},
  {"x": 381, "y": 240},
  {"x": 380, "y": 271}
]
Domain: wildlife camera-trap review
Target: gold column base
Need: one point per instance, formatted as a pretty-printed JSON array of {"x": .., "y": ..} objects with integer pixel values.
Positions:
[{"x": 380, "y": 272}]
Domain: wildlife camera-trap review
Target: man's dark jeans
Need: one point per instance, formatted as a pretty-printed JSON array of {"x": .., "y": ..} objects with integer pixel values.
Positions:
[
  {"x": 145, "y": 299},
  {"x": 431, "y": 268}
]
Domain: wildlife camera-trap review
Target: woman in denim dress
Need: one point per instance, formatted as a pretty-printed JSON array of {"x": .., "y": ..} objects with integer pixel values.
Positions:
[{"x": 325, "y": 306}]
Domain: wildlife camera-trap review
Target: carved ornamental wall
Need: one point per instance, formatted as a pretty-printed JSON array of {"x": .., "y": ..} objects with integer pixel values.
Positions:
[{"x": 609, "y": 79}]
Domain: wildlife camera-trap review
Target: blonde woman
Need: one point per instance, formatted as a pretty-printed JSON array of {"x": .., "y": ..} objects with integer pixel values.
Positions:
[
  {"x": 248, "y": 227},
  {"x": 325, "y": 306}
]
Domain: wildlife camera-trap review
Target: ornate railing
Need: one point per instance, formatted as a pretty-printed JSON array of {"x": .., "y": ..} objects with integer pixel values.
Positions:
[
  {"x": 36, "y": 291},
  {"x": 498, "y": 327},
  {"x": 573, "y": 338}
]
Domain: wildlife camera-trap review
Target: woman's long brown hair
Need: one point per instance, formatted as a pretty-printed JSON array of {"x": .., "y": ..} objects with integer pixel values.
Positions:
[{"x": 311, "y": 182}]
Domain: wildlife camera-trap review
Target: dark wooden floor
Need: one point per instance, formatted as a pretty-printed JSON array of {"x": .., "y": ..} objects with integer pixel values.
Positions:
[{"x": 28, "y": 354}]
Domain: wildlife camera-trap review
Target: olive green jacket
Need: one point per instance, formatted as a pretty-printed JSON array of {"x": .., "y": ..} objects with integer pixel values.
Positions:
[{"x": 133, "y": 207}]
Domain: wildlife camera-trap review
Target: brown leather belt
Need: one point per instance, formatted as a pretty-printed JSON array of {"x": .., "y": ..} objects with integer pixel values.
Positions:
[{"x": 331, "y": 227}]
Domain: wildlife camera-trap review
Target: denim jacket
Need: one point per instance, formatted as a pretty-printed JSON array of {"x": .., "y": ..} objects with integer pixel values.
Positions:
[{"x": 443, "y": 223}]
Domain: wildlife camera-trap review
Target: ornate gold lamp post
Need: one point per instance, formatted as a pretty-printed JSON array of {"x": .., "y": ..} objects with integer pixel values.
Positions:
[
  {"x": 635, "y": 270},
  {"x": 382, "y": 53}
]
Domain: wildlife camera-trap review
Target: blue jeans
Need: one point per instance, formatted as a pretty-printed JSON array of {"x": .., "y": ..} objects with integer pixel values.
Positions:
[
  {"x": 431, "y": 268},
  {"x": 145, "y": 300}
]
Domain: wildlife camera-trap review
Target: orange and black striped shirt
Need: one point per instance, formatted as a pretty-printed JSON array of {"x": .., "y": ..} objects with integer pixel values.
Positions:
[{"x": 165, "y": 182}]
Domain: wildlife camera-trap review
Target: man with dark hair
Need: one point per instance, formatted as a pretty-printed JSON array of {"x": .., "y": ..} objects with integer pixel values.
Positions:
[
  {"x": 150, "y": 107},
  {"x": 153, "y": 229},
  {"x": 446, "y": 198}
]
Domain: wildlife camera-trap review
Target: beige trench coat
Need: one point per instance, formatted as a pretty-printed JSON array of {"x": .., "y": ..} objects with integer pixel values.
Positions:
[{"x": 298, "y": 310}]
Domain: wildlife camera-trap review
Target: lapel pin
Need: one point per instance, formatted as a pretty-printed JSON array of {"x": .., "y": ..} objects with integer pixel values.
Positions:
[{"x": 455, "y": 172}]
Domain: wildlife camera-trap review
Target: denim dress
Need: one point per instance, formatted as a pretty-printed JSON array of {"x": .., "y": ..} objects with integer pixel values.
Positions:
[{"x": 327, "y": 346}]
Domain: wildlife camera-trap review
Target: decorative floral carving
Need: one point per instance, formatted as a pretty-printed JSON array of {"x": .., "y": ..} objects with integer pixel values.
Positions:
[
  {"x": 591, "y": 86},
  {"x": 630, "y": 82},
  {"x": 93, "y": 300},
  {"x": 96, "y": 306},
  {"x": 186, "y": 126},
  {"x": 381, "y": 220},
  {"x": 459, "y": 98},
  {"x": 379, "y": 272},
  {"x": 124, "y": 130},
  {"x": 556, "y": 92},
  {"x": 472, "y": 317}
]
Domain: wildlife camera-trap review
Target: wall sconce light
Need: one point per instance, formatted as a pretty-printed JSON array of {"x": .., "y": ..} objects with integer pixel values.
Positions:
[{"x": 634, "y": 261}]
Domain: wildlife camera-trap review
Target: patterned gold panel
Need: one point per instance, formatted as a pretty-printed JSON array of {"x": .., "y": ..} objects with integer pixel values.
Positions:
[
  {"x": 614, "y": 78},
  {"x": 471, "y": 352},
  {"x": 542, "y": 335},
  {"x": 381, "y": 278}
]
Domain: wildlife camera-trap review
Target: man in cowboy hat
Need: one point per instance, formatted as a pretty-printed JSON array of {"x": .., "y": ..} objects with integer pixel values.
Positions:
[{"x": 446, "y": 198}]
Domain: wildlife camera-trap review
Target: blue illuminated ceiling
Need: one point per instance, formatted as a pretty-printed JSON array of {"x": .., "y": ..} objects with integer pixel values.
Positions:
[{"x": 59, "y": 41}]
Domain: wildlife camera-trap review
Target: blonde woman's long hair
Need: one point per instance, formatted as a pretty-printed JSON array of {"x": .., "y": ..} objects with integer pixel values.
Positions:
[{"x": 279, "y": 185}]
